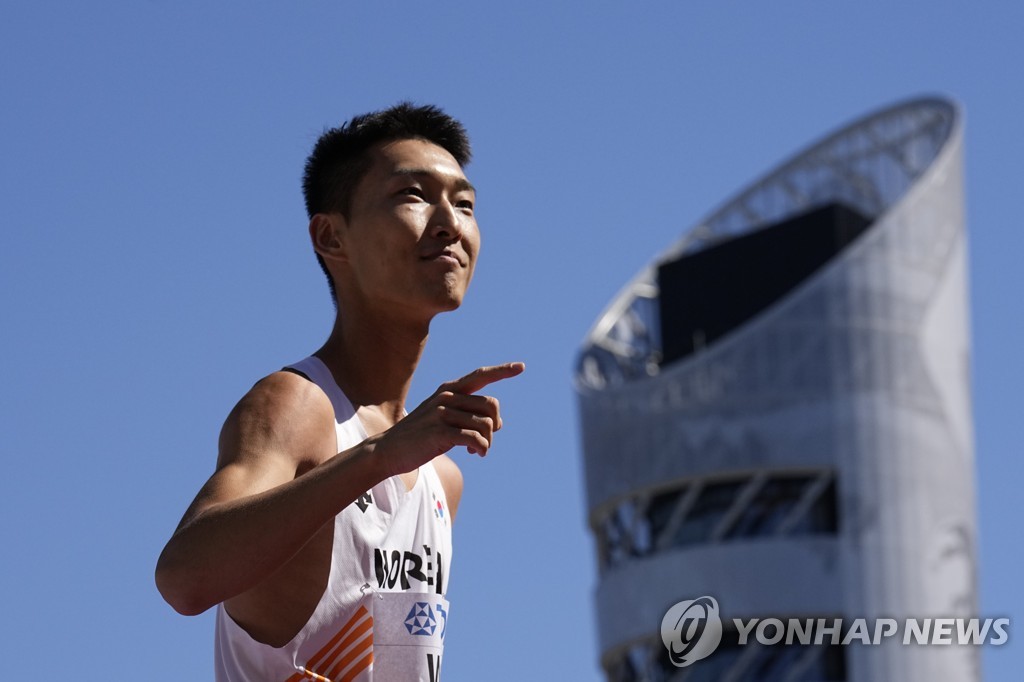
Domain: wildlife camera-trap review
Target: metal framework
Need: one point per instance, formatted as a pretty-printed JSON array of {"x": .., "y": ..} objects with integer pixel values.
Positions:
[
  {"x": 869, "y": 165},
  {"x": 715, "y": 509}
]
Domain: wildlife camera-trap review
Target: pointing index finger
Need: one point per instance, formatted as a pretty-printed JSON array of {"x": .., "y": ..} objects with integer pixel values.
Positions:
[{"x": 478, "y": 378}]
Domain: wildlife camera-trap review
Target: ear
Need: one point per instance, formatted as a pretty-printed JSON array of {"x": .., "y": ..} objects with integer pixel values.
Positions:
[{"x": 325, "y": 230}]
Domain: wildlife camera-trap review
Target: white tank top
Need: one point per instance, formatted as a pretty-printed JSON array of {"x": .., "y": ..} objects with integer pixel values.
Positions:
[{"x": 383, "y": 615}]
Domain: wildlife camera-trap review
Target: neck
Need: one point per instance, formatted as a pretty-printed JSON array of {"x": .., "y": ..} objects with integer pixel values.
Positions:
[{"x": 373, "y": 357}]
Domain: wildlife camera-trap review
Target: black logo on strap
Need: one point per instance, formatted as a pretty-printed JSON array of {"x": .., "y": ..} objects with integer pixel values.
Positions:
[{"x": 364, "y": 501}]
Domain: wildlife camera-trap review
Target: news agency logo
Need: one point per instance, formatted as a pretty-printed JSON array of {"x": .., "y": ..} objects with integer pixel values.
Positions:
[{"x": 691, "y": 630}]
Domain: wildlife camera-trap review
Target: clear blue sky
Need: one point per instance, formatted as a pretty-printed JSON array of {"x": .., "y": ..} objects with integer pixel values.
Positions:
[{"x": 154, "y": 264}]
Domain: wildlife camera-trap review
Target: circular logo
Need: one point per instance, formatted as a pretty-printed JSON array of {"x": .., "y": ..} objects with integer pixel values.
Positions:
[{"x": 691, "y": 630}]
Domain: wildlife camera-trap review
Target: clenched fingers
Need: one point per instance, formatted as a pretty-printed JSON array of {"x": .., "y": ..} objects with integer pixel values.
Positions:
[
  {"x": 483, "y": 405},
  {"x": 478, "y": 428}
]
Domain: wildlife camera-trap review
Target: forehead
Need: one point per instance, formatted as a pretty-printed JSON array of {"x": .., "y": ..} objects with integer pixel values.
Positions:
[{"x": 399, "y": 157}]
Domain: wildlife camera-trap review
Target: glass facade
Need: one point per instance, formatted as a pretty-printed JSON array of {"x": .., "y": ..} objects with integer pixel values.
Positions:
[{"x": 717, "y": 509}]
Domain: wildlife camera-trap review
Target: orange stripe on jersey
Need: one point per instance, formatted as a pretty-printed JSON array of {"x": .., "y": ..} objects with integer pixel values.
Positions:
[
  {"x": 355, "y": 654},
  {"x": 361, "y": 665},
  {"x": 362, "y": 634},
  {"x": 361, "y": 613},
  {"x": 358, "y": 627}
]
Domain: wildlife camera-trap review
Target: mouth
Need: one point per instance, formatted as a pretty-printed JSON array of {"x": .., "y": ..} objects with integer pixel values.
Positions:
[{"x": 445, "y": 256}]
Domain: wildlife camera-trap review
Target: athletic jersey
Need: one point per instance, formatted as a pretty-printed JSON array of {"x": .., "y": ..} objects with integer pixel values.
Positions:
[{"x": 383, "y": 615}]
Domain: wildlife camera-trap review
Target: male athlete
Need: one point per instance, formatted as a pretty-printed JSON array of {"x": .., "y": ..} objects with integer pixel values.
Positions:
[{"x": 324, "y": 535}]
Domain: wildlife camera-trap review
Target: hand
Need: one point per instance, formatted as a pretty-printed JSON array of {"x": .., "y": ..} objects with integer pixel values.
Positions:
[{"x": 452, "y": 416}]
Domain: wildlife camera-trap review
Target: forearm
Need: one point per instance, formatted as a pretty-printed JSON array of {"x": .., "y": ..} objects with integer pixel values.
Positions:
[{"x": 230, "y": 547}]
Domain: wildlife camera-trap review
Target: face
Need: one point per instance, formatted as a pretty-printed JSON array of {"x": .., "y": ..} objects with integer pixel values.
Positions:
[{"x": 410, "y": 240}]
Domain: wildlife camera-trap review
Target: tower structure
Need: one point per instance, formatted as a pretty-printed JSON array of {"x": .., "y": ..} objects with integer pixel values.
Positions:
[{"x": 776, "y": 412}]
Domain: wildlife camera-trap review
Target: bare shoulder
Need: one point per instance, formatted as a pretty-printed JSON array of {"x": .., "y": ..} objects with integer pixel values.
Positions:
[
  {"x": 282, "y": 415},
  {"x": 451, "y": 478},
  {"x": 281, "y": 428}
]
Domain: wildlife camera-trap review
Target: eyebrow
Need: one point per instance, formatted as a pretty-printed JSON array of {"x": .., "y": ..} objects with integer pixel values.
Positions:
[{"x": 458, "y": 184}]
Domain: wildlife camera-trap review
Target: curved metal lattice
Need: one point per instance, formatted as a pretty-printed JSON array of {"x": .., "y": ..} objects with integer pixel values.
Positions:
[{"x": 868, "y": 165}]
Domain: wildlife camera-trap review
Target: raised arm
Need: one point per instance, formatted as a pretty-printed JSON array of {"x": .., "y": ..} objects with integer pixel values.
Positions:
[{"x": 278, "y": 480}]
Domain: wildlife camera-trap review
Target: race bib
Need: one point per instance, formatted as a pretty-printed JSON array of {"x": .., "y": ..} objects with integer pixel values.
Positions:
[{"x": 391, "y": 636}]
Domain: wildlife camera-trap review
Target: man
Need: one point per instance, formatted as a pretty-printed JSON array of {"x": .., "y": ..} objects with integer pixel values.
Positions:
[{"x": 324, "y": 535}]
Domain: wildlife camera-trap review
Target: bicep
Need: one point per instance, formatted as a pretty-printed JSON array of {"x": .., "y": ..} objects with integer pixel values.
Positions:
[{"x": 274, "y": 433}]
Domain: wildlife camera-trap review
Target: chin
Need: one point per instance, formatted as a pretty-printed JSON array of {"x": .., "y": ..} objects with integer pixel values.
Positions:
[
  {"x": 450, "y": 298},
  {"x": 436, "y": 305},
  {"x": 442, "y": 297},
  {"x": 449, "y": 305}
]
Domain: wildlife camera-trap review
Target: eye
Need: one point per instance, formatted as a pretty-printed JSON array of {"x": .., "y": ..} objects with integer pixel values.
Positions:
[
  {"x": 412, "y": 191},
  {"x": 465, "y": 205}
]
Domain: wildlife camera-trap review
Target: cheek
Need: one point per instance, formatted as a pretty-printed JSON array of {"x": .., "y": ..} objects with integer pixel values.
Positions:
[{"x": 471, "y": 241}]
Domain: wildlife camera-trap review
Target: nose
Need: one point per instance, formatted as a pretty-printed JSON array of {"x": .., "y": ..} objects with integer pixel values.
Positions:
[{"x": 446, "y": 222}]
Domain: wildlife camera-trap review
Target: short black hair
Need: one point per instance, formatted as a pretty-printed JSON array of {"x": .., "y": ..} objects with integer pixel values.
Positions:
[{"x": 339, "y": 159}]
